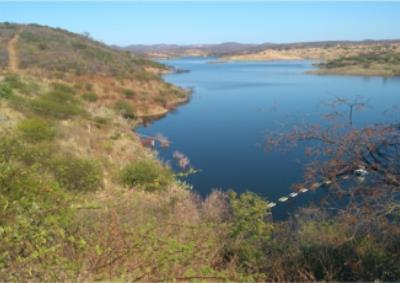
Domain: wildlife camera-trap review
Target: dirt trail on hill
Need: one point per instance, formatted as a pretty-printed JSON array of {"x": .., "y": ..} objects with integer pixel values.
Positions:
[{"x": 12, "y": 53}]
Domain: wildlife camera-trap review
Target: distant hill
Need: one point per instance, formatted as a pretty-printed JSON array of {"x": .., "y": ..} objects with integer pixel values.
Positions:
[
  {"x": 234, "y": 48},
  {"x": 172, "y": 50},
  {"x": 367, "y": 57}
]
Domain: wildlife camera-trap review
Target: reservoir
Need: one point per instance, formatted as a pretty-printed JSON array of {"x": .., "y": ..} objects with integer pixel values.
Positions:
[{"x": 235, "y": 106}]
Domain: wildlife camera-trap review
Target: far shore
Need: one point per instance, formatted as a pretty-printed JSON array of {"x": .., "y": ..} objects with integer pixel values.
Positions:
[{"x": 356, "y": 71}]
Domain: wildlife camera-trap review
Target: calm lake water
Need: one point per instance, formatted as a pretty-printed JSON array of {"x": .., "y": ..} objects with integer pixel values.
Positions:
[{"x": 236, "y": 105}]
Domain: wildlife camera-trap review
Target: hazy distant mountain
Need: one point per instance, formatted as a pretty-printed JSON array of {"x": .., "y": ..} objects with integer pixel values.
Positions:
[
  {"x": 234, "y": 48},
  {"x": 195, "y": 49}
]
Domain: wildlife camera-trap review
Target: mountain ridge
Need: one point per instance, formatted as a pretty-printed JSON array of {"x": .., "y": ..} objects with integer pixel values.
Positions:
[{"x": 235, "y": 48}]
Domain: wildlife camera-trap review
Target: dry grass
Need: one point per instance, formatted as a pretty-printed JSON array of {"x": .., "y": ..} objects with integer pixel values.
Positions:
[{"x": 320, "y": 53}]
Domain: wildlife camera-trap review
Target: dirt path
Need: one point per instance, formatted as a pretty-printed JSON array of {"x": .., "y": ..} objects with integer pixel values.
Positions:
[{"x": 12, "y": 53}]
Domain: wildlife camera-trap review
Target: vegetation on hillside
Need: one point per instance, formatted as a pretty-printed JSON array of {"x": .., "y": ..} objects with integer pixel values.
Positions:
[
  {"x": 374, "y": 63},
  {"x": 82, "y": 200},
  {"x": 92, "y": 66},
  {"x": 59, "y": 51}
]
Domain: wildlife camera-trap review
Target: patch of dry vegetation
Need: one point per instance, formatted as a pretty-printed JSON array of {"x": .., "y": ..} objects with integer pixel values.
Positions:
[
  {"x": 378, "y": 63},
  {"x": 57, "y": 54},
  {"x": 377, "y": 59},
  {"x": 59, "y": 51},
  {"x": 327, "y": 52}
]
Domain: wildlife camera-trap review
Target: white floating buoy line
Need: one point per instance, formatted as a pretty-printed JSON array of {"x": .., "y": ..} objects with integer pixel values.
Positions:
[
  {"x": 360, "y": 173},
  {"x": 303, "y": 190},
  {"x": 283, "y": 199},
  {"x": 295, "y": 194}
]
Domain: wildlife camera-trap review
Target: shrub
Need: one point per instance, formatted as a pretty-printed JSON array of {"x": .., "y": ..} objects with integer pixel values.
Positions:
[
  {"x": 35, "y": 130},
  {"x": 125, "y": 109},
  {"x": 162, "y": 101},
  {"x": 143, "y": 75},
  {"x": 99, "y": 120},
  {"x": 90, "y": 96},
  {"x": 77, "y": 174},
  {"x": 88, "y": 86},
  {"x": 63, "y": 88},
  {"x": 250, "y": 230},
  {"x": 5, "y": 91},
  {"x": 14, "y": 82},
  {"x": 56, "y": 104},
  {"x": 148, "y": 175},
  {"x": 128, "y": 93},
  {"x": 29, "y": 154},
  {"x": 34, "y": 216},
  {"x": 10, "y": 83}
]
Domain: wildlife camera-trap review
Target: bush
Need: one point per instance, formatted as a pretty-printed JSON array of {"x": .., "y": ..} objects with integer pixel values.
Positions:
[
  {"x": 15, "y": 83},
  {"x": 90, "y": 96},
  {"x": 125, "y": 109},
  {"x": 99, "y": 120},
  {"x": 56, "y": 104},
  {"x": 29, "y": 154},
  {"x": 35, "y": 130},
  {"x": 128, "y": 93},
  {"x": 77, "y": 174},
  {"x": 34, "y": 216},
  {"x": 5, "y": 91},
  {"x": 61, "y": 87},
  {"x": 162, "y": 101},
  {"x": 88, "y": 86},
  {"x": 10, "y": 83},
  {"x": 143, "y": 75},
  {"x": 250, "y": 230},
  {"x": 148, "y": 175}
]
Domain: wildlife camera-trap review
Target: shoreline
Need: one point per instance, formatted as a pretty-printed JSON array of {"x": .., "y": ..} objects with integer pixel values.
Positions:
[
  {"x": 318, "y": 70},
  {"x": 161, "y": 112},
  {"x": 350, "y": 72}
]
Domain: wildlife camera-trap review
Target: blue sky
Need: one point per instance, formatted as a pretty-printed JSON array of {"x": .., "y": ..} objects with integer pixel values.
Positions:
[{"x": 126, "y": 23}]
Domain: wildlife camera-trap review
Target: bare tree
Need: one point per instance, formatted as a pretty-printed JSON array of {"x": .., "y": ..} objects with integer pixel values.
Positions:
[{"x": 361, "y": 164}]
